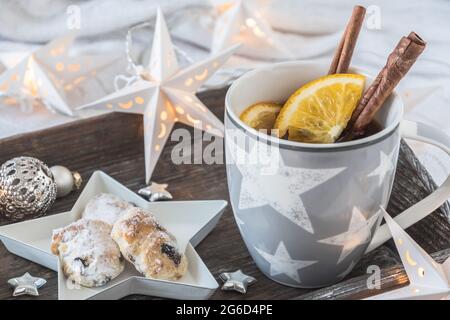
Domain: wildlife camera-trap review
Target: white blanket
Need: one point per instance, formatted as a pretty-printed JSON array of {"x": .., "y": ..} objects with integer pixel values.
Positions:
[{"x": 310, "y": 28}]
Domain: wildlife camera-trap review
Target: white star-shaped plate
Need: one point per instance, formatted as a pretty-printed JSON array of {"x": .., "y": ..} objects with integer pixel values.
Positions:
[{"x": 189, "y": 221}]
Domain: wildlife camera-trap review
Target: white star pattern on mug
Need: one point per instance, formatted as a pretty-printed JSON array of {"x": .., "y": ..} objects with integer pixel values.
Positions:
[
  {"x": 282, "y": 263},
  {"x": 358, "y": 233},
  {"x": 257, "y": 186},
  {"x": 384, "y": 167},
  {"x": 282, "y": 190}
]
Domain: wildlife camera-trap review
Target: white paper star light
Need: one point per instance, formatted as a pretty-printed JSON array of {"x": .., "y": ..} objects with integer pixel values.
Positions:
[
  {"x": 49, "y": 74},
  {"x": 428, "y": 280},
  {"x": 240, "y": 22},
  {"x": 11, "y": 59},
  {"x": 357, "y": 234},
  {"x": 282, "y": 263},
  {"x": 164, "y": 94}
]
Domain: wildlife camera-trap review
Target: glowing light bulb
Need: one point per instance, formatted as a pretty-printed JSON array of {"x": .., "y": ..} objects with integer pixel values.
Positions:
[
  {"x": 29, "y": 81},
  {"x": 126, "y": 105},
  {"x": 188, "y": 82},
  {"x": 139, "y": 100},
  {"x": 251, "y": 23},
  {"x": 79, "y": 80},
  {"x": 74, "y": 67},
  {"x": 200, "y": 106},
  {"x": 202, "y": 75},
  {"x": 258, "y": 32},
  {"x": 59, "y": 67},
  {"x": 410, "y": 260},
  {"x": 168, "y": 105},
  {"x": 223, "y": 7},
  {"x": 190, "y": 119},
  {"x": 162, "y": 131}
]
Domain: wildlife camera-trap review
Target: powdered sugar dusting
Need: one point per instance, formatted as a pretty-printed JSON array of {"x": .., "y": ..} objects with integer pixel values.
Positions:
[
  {"x": 106, "y": 207},
  {"x": 88, "y": 254},
  {"x": 151, "y": 249}
]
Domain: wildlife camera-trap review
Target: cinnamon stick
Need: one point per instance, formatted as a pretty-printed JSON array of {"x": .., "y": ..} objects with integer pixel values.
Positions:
[
  {"x": 344, "y": 52},
  {"x": 398, "y": 64}
]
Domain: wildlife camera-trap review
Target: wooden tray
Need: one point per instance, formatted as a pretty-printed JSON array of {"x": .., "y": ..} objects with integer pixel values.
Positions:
[{"x": 114, "y": 143}]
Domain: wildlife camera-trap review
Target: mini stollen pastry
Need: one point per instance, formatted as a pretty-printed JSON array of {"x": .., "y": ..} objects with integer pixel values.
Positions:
[
  {"x": 148, "y": 246},
  {"x": 106, "y": 207},
  {"x": 88, "y": 255}
]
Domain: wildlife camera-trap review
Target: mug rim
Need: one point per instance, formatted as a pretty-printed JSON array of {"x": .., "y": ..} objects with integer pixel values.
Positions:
[{"x": 288, "y": 144}]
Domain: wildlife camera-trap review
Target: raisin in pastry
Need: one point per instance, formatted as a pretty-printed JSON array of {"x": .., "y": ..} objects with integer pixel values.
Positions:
[
  {"x": 149, "y": 246},
  {"x": 88, "y": 255},
  {"x": 106, "y": 207}
]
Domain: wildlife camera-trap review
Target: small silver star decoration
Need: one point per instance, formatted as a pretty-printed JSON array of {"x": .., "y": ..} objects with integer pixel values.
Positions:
[
  {"x": 156, "y": 192},
  {"x": 26, "y": 284},
  {"x": 237, "y": 281}
]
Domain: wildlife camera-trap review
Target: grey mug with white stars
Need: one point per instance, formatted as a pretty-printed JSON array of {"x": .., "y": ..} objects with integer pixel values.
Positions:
[{"x": 308, "y": 212}]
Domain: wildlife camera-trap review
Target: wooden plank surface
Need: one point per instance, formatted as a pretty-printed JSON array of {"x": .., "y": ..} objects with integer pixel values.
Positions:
[{"x": 114, "y": 143}]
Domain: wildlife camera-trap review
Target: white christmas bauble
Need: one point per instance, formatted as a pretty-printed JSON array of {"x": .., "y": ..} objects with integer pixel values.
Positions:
[{"x": 64, "y": 180}]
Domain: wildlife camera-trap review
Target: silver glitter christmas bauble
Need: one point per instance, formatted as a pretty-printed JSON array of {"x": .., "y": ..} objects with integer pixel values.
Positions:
[{"x": 27, "y": 188}]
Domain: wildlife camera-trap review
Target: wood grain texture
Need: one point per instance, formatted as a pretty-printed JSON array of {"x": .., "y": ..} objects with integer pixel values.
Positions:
[{"x": 114, "y": 143}]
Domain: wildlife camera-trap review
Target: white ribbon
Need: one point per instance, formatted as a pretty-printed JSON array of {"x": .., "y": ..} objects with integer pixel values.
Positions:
[{"x": 138, "y": 71}]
